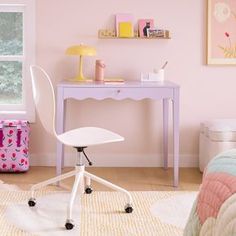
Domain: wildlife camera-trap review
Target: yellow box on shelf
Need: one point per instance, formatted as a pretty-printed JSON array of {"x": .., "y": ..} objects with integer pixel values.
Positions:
[{"x": 126, "y": 30}]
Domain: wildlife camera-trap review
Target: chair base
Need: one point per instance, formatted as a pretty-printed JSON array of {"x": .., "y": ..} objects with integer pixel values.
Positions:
[{"x": 82, "y": 184}]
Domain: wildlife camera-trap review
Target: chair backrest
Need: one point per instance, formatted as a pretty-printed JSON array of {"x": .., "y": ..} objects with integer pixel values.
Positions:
[{"x": 44, "y": 98}]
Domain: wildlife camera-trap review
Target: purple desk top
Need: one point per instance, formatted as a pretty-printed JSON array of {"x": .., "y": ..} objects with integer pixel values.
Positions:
[{"x": 127, "y": 83}]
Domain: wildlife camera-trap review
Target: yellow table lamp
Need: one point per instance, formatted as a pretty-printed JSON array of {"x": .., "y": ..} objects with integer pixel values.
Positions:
[{"x": 80, "y": 50}]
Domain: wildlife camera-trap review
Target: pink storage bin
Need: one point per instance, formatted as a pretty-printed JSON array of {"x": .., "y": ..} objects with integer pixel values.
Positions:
[{"x": 14, "y": 145}]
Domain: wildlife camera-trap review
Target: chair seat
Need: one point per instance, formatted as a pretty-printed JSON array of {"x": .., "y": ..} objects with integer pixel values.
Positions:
[{"x": 87, "y": 136}]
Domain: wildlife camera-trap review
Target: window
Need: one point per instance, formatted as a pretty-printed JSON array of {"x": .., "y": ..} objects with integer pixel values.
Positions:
[{"x": 16, "y": 55}]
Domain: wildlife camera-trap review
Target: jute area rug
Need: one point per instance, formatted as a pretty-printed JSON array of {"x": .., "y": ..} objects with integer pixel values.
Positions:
[{"x": 97, "y": 214}]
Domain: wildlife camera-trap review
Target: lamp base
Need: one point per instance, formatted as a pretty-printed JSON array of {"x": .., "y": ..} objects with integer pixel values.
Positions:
[{"x": 80, "y": 79}]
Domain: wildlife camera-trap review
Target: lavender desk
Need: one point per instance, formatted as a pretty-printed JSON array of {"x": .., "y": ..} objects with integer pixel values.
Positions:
[{"x": 136, "y": 90}]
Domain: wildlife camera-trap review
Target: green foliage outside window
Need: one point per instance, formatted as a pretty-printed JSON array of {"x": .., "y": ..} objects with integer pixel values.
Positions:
[
  {"x": 11, "y": 44},
  {"x": 11, "y": 33},
  {"x": 10, "y": 82}
]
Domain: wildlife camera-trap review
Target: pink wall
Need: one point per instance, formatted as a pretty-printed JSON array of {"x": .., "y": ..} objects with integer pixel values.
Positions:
[{"x": 206, "y": 91}]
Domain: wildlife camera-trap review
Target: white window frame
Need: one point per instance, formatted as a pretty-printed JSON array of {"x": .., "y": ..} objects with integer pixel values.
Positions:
[{"x": 26, "y": 110}]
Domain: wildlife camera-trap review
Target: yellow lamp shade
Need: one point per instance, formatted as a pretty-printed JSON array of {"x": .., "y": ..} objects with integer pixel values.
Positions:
[{"x": 82, "y": 50}]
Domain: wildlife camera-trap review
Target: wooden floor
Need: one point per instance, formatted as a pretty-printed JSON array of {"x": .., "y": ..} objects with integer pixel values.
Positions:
[{"x": 133, "y": 179}]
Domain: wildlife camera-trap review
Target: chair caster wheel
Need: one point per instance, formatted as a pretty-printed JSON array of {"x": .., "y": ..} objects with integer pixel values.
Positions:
[
  {"x": 88, "y": 190},
  {"x": 32, "y": 202},
  {"x": 69, "y": 225},
  {"x": 128, "y": 208}
]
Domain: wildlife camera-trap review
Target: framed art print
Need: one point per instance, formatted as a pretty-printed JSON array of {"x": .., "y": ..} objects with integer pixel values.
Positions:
[
  {"x": 143, "y": 26},
  {"x": 221, "y": 35}
]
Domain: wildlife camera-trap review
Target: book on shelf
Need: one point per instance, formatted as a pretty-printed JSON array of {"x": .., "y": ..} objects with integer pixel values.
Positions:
[
  {"x": 126, "y": 30},
  {"x": 114, "y": 80},
  {"x": 124, "y": 25},
  {"x": 156, "y": 33}
]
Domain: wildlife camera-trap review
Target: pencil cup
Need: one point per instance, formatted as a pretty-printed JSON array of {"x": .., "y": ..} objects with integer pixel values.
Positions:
[
  {"x": 156, "y": 76},
  {"x": 161, "y": 75}
]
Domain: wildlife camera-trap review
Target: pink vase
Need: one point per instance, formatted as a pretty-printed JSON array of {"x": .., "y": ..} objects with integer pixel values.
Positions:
[{"x": 99, "y": 70}]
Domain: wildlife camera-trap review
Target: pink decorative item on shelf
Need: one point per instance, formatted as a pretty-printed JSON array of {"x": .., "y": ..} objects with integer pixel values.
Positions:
[
  {"x": 144, "y": 25},
  {"x": 99, "y": 70},
  {"x": 14, "y": 140}
]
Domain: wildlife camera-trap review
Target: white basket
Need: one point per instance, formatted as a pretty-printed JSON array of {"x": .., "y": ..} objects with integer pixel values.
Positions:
[{"x": 215, "y": 136}]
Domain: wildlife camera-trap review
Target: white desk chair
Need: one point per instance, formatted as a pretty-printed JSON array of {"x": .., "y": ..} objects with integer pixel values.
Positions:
[{"x": 78, "y": 138}]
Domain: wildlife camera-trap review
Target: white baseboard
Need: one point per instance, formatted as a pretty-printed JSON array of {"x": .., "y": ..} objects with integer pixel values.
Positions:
[{"x": 112, "y": 160}]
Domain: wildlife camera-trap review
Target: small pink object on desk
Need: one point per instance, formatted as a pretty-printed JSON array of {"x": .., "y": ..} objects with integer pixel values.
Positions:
[
  {"x": 133, "y": 89},
  {"x": 99, "y": 70}
]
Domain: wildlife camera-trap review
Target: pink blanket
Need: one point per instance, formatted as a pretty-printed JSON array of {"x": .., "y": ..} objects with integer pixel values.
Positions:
[{"x": 214, "y": 211}]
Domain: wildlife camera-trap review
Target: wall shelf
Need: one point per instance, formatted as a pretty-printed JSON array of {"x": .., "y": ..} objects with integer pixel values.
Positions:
[{"x": 110, "y": 34}]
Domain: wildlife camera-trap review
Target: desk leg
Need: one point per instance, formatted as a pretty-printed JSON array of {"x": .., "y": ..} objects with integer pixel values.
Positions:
[
  {"x": 60, "y": 129},
  {"x": 176, "y": 136},
  {"x": 165, "y": 131}
]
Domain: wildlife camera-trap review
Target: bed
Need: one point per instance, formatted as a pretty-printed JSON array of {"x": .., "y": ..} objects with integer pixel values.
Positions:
[{"x": 214, "y": 210}]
